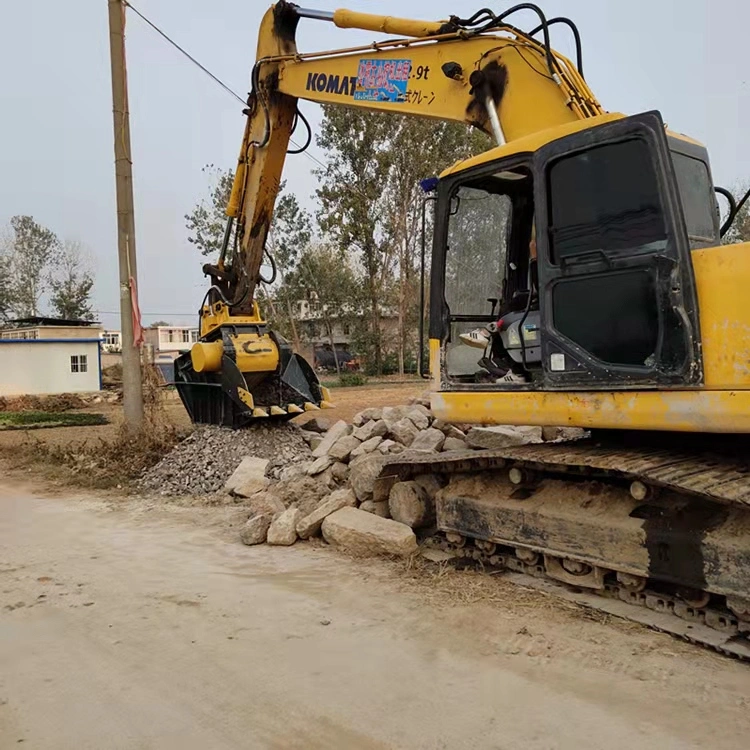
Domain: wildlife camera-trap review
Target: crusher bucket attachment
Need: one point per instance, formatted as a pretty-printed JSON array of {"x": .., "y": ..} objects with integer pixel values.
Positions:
[{"x": 240, "y": 373}]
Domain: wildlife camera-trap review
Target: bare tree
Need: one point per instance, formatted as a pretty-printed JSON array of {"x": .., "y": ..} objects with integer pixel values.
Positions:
[{"x": 71, "y": 282}]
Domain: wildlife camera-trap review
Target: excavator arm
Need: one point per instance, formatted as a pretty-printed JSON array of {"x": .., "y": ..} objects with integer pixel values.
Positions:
[
  {"x": 478, "y": 71},
  {"x": 501, "y": 80}
]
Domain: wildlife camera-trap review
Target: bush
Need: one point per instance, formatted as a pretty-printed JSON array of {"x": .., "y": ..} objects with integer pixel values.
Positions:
[{"x": 351, "y": 379}]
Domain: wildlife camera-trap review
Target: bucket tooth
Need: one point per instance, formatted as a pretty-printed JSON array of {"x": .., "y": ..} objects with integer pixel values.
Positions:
[
  {"x": 294, "y": 409},
  {"x": 259, "y": 412},
  {"x": 326, "y": 405},
  {"x": 325, "y": 394},
  {"x": 277, "y": 411},
  {"x": 310, "y": 406}
]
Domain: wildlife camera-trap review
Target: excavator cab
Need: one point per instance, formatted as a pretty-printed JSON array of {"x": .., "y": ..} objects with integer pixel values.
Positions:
[{"x": 605, "y": 297}]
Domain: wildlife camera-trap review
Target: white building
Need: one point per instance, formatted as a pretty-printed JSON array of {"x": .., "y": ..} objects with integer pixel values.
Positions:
[
  {"x": 112, "y": 342},
  {"x": 49, "y": 355}
]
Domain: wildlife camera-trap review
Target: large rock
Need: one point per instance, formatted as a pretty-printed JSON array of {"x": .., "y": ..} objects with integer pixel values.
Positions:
[
  {"x": 310, "y": 524},
  {"x": 283, "y": 529},
  {"x": 304, "y": 493},
  {"x": 255, "y": 529},
  {"x": 292, "y": 471},
  {"x": 393, "y": 414},
  {"x": 318, "y": 424},
  {"x": 454, "y": 444},
  {"x": 368, "y": 446},
  {"x": 265, "y": 503},
  {"x": 319, "y": 465},
  {"x": 385, "y": 446},
  {"x": 404, "y": 431},
  {"x": 364, "y": 472},
  {"x": 371, "y": 429},
  {"x": 419, "y": 416},
  {"x": 367, "y": 534},
  {"x": 338, "y": 430},
  {"x": 410, "y": 504},
  {"x": 430, "y": 483},
  {"x": 340, "y": 471},
  {"x": 373, "y": 413},
  {"x": 379, "y": 509},
  {"x": 428, "y": 441},
  {"x": 315, "y": 441},
  {"x": 249, "y": 477},
  {"x": 308, "y": 435},
  {"x": 496, "y": 437},
  {"x": 343, "y": 447}
]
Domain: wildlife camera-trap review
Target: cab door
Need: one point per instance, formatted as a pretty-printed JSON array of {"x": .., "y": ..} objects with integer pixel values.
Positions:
[{"x": 617, "y": 289}]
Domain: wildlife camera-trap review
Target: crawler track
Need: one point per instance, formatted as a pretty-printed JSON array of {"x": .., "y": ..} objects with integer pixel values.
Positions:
[
  {"x": 677, "y": 560},
  {"x": 712, "y": 627}
]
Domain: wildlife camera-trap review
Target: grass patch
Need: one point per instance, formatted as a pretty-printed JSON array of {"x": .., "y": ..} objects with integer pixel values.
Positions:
[
  {"x": 33, "y": 420},
  {"x": 347, "y": 380},
  {"x": 104, "y": 463}
]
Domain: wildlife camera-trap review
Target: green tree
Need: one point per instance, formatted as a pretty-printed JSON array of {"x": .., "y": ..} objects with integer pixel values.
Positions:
[
  {"x": 352, "y": 206},
  {"x": 371, "y": 203},
  {"x": 417, "y": 149},
  {"x": 207, "y": 221},
  {"x": 740, "y": 229},
  {"x": 71, "y": 282},
  {"x": 324, "y": 275},
  {"x": 33, "y": 248}
]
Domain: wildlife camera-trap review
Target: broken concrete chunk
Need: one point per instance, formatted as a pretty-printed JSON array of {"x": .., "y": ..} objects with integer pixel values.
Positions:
[
  {"x": 320, "y": 465},
  {"x": 283, "y": 529},
  {"x": 310, "y": 524},
  {"x": 404, "y": 431},
  {"x": 368, "y": 446},
  {"x": 453, "y": 444},
  {"x": 338, "y": 430},
  {"x": 364, "y": 472},
  {"x": 430, "y": 483},
  {"x": 318, "y": 424},
  {"x": 249, "y": 477},
  {"x": 379, "y": 509},
  {"x": 366, "y": 415},
  {"x": 302, "y": 492},
  {"x": 450, "y": 430},
  {"x": 340, "y": 471},
  {"x": 385, "y": 446},
  {"x": 371, "y": 429},
  {"x": 265, "y": 503},
  {"x": 409, "y": 504},
  {"x": 255, "y": 529},
  {"x": 418, "y": 417},
  {"x": 429, "y": 441},
  {"x": 367, "y": 534},
  {"x": 343, "y": 447},
  {"x": 495, "y": 437}
]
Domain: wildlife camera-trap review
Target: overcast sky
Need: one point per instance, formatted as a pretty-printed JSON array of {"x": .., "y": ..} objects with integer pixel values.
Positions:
[{"x": 56, "y": 154}]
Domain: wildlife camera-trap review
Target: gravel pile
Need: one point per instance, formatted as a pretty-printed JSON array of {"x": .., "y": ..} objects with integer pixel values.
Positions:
[{"x": 202, "y": 463}]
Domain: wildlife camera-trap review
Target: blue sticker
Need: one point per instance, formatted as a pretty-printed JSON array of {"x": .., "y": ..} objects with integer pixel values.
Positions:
[{"x": 382, "y": 80}]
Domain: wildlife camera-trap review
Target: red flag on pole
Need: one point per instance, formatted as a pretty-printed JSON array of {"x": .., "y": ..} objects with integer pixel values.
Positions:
[{"x": 137, "y": 327}]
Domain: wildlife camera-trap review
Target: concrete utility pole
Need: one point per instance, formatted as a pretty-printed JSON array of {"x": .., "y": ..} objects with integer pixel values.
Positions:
[{"x": 131, "y": 355}]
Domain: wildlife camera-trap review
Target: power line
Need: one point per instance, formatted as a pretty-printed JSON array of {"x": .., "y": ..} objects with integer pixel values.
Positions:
[{"x": 202, "y": 67}]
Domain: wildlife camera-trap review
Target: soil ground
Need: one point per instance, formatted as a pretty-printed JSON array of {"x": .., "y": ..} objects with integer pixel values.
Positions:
[{"x": 128, "y": 624}]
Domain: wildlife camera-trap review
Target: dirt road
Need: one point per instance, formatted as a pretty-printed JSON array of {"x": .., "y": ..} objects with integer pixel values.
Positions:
[{"x": 143, "y": 627}]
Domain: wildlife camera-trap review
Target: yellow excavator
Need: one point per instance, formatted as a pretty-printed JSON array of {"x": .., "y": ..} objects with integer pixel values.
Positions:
[{"x": 585, "y": 251}]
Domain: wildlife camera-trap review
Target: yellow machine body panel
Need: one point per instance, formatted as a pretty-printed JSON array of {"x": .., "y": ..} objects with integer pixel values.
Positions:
[
  {"x": 721, "y": 405},
  {"x": 531, "y": 97},
  {"x": 721, "y": 275},
  {"x": 673, "y": 411}
]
